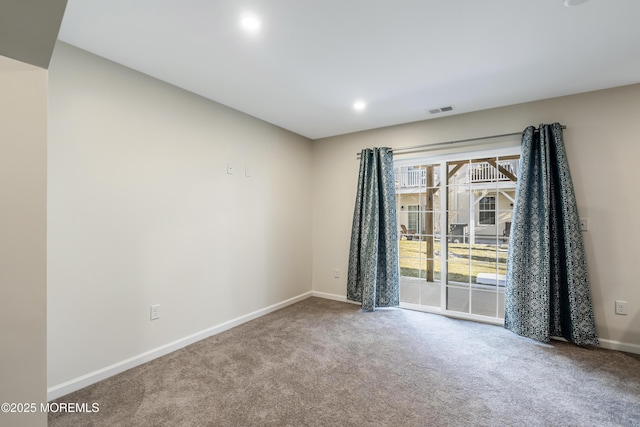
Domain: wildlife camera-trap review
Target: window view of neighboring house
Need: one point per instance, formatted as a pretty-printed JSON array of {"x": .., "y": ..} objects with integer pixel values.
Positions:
[
  {"x": 472, "y": 201},
  {"x": 487, "y": 210}
]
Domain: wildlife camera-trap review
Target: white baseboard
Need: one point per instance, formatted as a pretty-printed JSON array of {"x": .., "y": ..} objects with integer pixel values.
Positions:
[
  {"x": 604, "y": 343},
  {"x": 620, "y": 346},
  {"x": 75, "y": 384},
  {"x": 335, "y": 297},
  {"x": 78, "y": 383}
]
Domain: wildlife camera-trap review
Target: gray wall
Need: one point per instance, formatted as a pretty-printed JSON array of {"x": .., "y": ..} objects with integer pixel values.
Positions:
[
  {"x": 141, "y": 211},
  {"x": 23, "y": 151},
  {"x": 602, "y": 144},
  {"x": 29, "y": 29}
]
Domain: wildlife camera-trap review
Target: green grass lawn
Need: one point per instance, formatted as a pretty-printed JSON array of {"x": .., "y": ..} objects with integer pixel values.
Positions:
[{"x": 484, "y": 258}]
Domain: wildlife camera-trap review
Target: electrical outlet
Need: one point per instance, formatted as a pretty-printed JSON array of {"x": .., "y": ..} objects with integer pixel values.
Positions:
[
  {"x": 155, "y": 312},
  {"x": 584, "y": 224},
  {"x": 621, "y": 307},
  {"x": 336, "y": 274},
  {"x": 229, "y": 168}
]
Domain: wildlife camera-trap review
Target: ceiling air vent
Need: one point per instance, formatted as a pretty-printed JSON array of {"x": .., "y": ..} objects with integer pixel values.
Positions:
[{"x": 440, "y": 110}]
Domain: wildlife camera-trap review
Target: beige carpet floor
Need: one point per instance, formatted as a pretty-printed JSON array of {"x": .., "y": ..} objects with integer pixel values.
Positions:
[{"x": 325, "y": 363}]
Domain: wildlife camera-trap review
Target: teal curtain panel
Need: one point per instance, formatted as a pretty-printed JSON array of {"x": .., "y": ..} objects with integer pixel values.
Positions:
[
  {"x": 547, "y": 292},
  {"x": 374, "y": 274}
]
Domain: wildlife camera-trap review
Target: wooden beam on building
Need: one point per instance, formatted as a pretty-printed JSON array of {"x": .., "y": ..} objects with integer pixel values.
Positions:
[
  {"x": 504, "y": 171},
  {"x": 457, "y": 167},
  {"x": 429, "y": 224}
]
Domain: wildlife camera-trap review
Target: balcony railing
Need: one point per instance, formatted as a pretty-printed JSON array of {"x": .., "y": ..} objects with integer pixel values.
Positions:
[
  {"x": 480, "y": 172},
  {"x": 411, "y": 178},
  {"x": 484, "y": 172}
]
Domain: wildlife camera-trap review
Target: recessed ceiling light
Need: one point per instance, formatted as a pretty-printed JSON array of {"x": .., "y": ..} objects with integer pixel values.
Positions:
[
  {"x": 359, "y": 105},
  {"x": 571, "y": 3},
  {"x": 250, "y": 23}
]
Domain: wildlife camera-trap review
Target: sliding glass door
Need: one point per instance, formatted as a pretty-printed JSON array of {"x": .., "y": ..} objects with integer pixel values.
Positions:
[
  {"x": 419, "y": 207},
  {"x": 454, "y": 215}
]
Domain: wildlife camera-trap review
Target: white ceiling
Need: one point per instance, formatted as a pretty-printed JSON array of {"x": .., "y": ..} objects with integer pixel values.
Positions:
[{"x": 313, "y": 58}]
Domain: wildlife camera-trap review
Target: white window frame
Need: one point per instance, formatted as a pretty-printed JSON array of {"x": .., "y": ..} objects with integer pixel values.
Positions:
[
  {"x": 512, "y": 148},
  {"x": 481, "y": 210}
]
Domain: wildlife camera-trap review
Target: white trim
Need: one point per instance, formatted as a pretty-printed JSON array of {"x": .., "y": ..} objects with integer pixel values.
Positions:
[
  {"x": 611, "y": 345},
  {"x": 418, "y": 307},
  {"x": 335, "y": 297},
  {"x": 462, "y": 153},
  {"x": 608, "y": 344},
  {"x": 423, "y": 308},
  {"x": 82, "y": 381},
  {"x": 604, "y": 343},
  {"x": 619, "y": 346},
  {"x": 453, "y": 314}
]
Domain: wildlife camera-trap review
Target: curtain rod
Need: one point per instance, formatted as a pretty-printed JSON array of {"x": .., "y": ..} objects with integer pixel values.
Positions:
[{"x": 429, "y": 147}]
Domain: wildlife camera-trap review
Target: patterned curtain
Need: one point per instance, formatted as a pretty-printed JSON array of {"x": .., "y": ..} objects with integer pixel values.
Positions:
[
  {"x": 547, "y": 291},
  {"x": 373, "y": 277}
]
